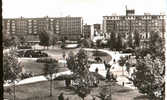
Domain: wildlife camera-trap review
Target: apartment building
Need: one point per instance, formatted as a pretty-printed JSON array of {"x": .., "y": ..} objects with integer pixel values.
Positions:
[
  {"x": 70, "y": 27},
  {"x": 129, "y": 23}
]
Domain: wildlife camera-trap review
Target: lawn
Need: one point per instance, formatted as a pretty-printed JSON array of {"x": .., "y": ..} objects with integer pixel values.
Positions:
[
  {"x": 40, "y": 91},
  {"x": 30, "y": 65}
]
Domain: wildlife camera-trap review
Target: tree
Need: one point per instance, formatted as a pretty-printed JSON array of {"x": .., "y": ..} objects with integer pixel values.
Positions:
[
  {"x": 155, "y": 41},
  {"x": 130, "y": 40},
  {"x": 49, "y": 69},
  {"x": 136, "y": 38},
  {"x": 122, "y": 62},
  {"x": 119, "y": 43},
  {"x": 22, "y": 40},
  {"x": 44, "y": 38},
  {"x": 150, "y": 69},
  {"x": 11, "y": 68},
  {"x": 10, "y": 40},
  {"x": 85, "y": 43},
  {"x": 52, "y": 38},
  {"x": 149, "y": 77},
  {"x": 112, "y": 41},
  {"x": 78, "y": 64},
  {"x": 83, "y": 91},
  {"x": 98, "y": 43}
]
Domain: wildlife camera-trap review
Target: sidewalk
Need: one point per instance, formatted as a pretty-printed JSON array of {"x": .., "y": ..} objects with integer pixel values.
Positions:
[
  {"x": 38, "y": 78},
  {"x": 117, "y": 69}
]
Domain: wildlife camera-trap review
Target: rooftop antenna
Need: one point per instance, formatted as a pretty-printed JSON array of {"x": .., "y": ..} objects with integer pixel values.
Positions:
[{"x": 126, "y": 7}]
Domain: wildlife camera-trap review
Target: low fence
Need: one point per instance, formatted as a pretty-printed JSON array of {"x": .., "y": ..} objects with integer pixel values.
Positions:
[{"x": 37, "y": 98}]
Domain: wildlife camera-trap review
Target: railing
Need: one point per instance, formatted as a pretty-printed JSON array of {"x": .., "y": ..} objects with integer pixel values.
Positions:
[{"x": 38, "y": 98}]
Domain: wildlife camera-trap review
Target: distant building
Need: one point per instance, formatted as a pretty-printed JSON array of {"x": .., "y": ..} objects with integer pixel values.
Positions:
[
  {"x": 70, "y": 27},
  {"x": 129, "y": 23},
  {"x": 87, "y": 31},
  {"x": 97, "y": 29}
]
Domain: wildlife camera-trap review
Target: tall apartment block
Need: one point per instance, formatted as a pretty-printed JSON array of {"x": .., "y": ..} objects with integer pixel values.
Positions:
[{"x": 70, "y": 27}]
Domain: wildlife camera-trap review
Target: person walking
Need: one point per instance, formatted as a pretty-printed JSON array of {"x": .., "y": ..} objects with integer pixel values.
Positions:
[{"x": 61, "y": 97}]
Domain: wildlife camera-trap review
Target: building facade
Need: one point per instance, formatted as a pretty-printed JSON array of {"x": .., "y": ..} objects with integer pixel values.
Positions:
[
  {"x": 97, "y": 29},
  {"x": 70, "y": 27},
  {"x": 129, "y": 23},
  {"x": 87, "y": 31}
]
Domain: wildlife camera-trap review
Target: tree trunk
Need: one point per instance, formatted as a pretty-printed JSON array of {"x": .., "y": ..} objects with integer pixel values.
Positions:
[
  {"x": 14, "y": 92},
  {"x": 51, "y": 86},
  {"x": 122, "y": 71}
]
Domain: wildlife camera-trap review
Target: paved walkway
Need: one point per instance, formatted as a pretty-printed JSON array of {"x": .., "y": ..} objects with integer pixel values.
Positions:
[{"x": 116, "y": 68}]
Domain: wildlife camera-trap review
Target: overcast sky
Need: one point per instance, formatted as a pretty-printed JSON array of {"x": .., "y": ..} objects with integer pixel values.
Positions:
[{"x": 91, "y": 10}]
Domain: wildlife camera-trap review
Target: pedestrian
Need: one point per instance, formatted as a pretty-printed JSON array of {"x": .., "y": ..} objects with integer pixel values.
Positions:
[
  {"x": 123, "y": 83},
  {"x": 93, "y": 98},
  {"x": 114, "y": 60},
  {"x": 67, "y": 98},
  {"x": 108, "y": 75},
  {"x": 61, "y": 97},
  {"x": 96, "y": 70},
  {"x": 105, "y": 65}
]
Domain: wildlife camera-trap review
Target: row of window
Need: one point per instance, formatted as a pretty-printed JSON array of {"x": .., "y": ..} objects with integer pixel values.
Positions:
[{"x": 132, "y": 17}]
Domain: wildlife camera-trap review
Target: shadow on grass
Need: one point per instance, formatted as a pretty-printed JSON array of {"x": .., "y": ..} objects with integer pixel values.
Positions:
[
  {"x": 62, "y": 88},
  {"x": 124, "y": 90},
  {"x": 141, "y": 97}
]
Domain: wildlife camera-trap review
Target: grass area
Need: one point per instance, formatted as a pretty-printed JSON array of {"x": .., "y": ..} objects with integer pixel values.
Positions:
[
  {"x": 59, "y": 51},
  {"x": 40, "y": 91},
  {"x": 30, "y": 65}
]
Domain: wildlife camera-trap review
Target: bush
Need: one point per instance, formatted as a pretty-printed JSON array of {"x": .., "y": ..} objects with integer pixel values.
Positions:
[{"x": 25, "y": 75}]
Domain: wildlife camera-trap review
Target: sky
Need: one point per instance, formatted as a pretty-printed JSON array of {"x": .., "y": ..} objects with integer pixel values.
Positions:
[{"x": 92, "y": 11}]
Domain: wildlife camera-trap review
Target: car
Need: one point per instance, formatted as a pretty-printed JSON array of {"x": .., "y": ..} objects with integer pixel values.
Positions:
[
  {"x": 129, "y": 50},
  {"x": 35, "y": 53},
  {"x": 24, "y": 47},
  {"x": 20, "y": 53}
]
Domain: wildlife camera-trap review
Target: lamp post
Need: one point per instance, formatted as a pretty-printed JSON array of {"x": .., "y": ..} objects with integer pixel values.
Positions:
[{"x": 110, "y": 91}]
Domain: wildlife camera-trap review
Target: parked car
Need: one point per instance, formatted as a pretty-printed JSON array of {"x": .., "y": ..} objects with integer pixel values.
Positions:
[
  {"x": 20, "y": 53},
  {"x": 35, "y": 53},
  {"x": 129, "y": 50},
  {"x": 24, "y": 47}
]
